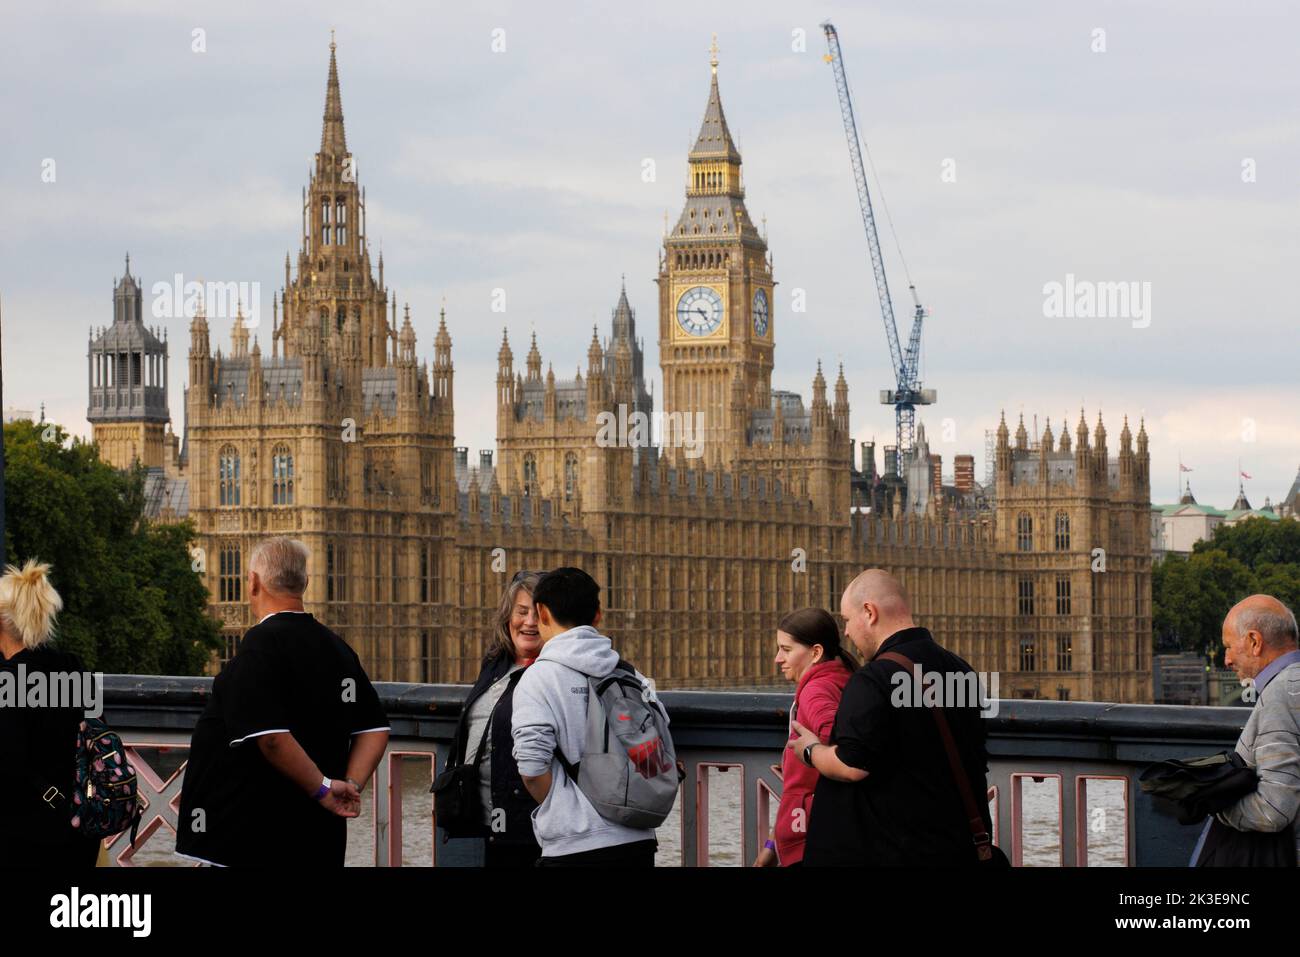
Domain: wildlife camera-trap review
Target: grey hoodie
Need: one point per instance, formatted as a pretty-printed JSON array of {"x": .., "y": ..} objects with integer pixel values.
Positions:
[{"x": 550, "y": 707}]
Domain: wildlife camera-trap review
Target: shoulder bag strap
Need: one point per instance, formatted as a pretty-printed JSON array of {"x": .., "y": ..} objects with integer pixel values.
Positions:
[
  {"x": 487, "y": 728},
  {"x": 983, "y": 840}
]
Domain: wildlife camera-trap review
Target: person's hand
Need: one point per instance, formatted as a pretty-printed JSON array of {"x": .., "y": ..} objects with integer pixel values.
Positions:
[
  {"x": 344, "y": 799},
  {"x": 805, "y": 738},
  {"x": 766, "y": 858}
]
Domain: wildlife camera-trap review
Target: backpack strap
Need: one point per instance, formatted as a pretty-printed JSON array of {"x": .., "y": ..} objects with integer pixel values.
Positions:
[{"x": 982, "y": 839}]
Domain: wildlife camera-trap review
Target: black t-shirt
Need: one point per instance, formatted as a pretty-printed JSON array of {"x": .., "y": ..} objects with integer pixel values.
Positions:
[
  {"x": 293, "y": 674},
  {"x": 908, "y": 810}
]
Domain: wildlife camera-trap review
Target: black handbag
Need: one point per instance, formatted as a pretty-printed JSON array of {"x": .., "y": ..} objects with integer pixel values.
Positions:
[{"x": 457, "y": 802}]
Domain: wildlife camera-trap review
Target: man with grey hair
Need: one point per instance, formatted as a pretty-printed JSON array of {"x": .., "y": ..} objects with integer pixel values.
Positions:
[
  {"x": 1260, "y": 642},
  {"x": 292, "y": 732}
]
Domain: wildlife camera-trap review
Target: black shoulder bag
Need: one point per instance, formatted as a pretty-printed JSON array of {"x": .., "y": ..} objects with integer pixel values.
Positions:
[
  {"x": 987, "y": 853},
  {"x": 457, "y": 805}
]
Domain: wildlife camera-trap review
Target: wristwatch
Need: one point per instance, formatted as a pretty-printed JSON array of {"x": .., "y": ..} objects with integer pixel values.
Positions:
[
  {"x": 807, "y": 753},
  {"x": 324, "y": 789}
]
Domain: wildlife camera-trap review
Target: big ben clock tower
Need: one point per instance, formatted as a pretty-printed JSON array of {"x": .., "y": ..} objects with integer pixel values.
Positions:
[{"x": 716, "y": 321}]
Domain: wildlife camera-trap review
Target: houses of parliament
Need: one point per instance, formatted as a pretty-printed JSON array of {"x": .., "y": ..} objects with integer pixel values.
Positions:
[{"x": 342, "y": 434}]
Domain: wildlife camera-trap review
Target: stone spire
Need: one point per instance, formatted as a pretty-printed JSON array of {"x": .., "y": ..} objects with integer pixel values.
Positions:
[
  {"x": 714, "y": 141},
  {"x": 332, "y": 138},
  {"x": 623, "y": 315},
  {"x": 534, "y": 362}
]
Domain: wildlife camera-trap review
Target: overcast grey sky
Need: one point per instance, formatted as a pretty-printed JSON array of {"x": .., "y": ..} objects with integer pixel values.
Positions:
[{"x": 522, "y": 170}]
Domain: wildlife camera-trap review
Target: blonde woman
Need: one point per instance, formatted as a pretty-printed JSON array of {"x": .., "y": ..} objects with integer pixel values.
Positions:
[{"x": 37, "y": 740}]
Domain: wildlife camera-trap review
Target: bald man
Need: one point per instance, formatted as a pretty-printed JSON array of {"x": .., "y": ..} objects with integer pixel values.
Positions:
[
  {"x": 886, "y": 795},
  {"x": 1260, "y": 642}
]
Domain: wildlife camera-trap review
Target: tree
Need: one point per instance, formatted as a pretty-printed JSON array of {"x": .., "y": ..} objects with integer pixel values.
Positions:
[
  {"x": 1253, "y": 541},
  {"x": 1192, "y": 595},
  {"x": 132, "y": 603}
]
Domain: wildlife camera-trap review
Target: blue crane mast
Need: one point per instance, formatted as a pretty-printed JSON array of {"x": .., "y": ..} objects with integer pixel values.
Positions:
[{"x": 907, "y": 393}]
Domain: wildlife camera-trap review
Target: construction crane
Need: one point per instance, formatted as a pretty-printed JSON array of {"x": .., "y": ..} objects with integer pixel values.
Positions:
[{"x": 907, "y": 393}]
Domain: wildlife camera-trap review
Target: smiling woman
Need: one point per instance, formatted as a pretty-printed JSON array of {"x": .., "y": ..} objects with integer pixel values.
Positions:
[{"x": 480, "y": 793}]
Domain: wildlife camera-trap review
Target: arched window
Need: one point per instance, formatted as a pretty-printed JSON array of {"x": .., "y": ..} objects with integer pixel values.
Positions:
[
  {"x": 530, "y": 474},
  {"x": 1062, "y": 532},
  {"x": 230, "y": 578},
  {"x": 228, "y": 476},
  {"x": 281, "y": 476},
  {"x": 1024, "y": 532},
  {"x": 570, "y": 476}
]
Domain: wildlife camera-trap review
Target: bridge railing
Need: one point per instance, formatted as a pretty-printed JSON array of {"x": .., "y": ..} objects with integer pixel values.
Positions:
[{"x": 1062, "y": 775}]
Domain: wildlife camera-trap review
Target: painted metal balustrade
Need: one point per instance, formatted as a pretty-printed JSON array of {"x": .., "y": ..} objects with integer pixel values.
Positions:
[{"x": 1069, "y": 747}]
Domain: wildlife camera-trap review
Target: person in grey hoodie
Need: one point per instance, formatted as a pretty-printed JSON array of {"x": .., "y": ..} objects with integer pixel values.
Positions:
[{"x": 550, "y": 713}]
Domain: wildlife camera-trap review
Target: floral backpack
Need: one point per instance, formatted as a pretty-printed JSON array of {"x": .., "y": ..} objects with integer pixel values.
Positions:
[{"x": 105, "y": 798}]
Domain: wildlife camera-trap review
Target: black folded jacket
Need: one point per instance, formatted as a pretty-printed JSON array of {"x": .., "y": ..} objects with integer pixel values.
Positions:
[{"x": 1195, "y": 788}]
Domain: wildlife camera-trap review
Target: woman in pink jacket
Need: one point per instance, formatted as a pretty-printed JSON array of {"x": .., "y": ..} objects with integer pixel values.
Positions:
[{"x": 810, "y": 654}]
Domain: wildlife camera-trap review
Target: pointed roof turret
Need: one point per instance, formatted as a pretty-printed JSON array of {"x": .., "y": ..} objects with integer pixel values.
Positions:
[
  {"x": 623, "y": 317},
  {"x": 534, "y": 361},
  {"x": 1292, "y": 497},
  {"x": 715, "y": 139},
  {"x": 332, "y": 138},
  {"x": 442, "y": 340}
]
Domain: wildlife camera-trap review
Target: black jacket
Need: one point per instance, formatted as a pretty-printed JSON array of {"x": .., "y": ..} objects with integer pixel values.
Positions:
[
  {"x": 508, "y": 791},
  {"x": 38, "y": 749}
]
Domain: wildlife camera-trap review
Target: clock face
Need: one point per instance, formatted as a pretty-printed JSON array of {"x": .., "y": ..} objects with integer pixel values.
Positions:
[
  {"x": 699, "y": 310},
  {"x": 760, "y": 313}
]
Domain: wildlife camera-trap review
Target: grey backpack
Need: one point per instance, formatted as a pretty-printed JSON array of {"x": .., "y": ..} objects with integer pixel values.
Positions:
[{"x": 628, "y": 769}]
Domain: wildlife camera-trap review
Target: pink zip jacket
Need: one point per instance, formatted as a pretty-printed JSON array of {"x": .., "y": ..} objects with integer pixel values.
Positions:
[{"x": 816, "y": 699}]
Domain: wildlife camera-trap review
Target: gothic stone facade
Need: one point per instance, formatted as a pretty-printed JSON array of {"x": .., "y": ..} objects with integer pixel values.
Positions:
[{"x": 745, "y": 505}]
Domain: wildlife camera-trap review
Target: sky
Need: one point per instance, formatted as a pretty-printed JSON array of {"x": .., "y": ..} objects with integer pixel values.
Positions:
[{"x": 1017, "y": 145}]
